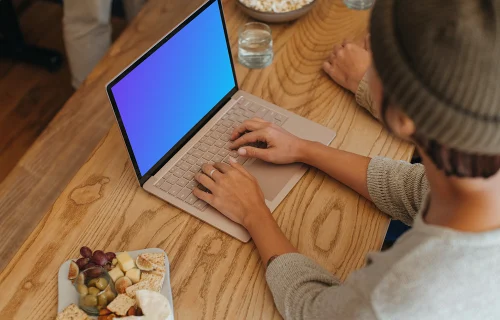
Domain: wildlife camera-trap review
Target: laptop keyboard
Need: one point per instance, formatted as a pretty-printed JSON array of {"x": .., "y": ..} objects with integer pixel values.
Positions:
[{"x": 212, "y": 148}]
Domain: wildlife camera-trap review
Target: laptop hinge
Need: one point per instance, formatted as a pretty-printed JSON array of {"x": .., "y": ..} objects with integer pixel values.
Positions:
[{"x": 158, "y": 166}]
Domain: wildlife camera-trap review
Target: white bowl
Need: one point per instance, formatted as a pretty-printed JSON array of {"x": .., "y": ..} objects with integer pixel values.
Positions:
[{"x": 276, "y": 17}]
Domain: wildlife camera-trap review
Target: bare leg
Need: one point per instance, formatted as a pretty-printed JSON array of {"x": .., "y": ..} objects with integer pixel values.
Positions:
[
  {"x": 348, "y": 63},
  {"x": 87, "y": 35}
]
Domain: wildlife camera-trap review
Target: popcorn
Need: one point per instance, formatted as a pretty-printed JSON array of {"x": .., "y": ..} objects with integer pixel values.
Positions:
[{"x": 276, "y": 5}]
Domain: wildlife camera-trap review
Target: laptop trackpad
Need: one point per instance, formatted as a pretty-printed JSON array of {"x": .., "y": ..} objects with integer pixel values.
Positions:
[{"x": 271, "y": 177}]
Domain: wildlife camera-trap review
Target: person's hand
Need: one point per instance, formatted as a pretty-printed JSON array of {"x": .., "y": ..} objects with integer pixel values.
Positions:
[
  {"x": 282, "y": 146},
  {"x": 234, "y": 192},
  {"x": 348, "y": 63}
]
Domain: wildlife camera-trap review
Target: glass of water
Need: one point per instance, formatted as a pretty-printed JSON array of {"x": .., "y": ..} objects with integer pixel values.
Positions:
[
  {"x": 255, "y": 45},
  {"x": 359, "y": 4}
]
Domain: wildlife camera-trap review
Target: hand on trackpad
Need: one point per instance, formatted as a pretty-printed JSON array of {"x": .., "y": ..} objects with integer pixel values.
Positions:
[{"x": 271, "y": 177}]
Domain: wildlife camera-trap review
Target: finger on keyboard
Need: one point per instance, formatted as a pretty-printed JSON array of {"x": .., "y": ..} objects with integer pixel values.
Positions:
[
  {"x": 251, "y": 137},
  {"x": 247, "y": 126}
]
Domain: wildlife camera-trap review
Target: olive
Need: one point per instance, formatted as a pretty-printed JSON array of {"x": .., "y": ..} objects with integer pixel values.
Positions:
[
  {"x": 102, "y": 301},
  {"x": 82, "y": 301},
  {"x": 82, "y": 289},
  {"x": 110, "y": 295},
  {"x": 93, "y": 282},
  {"x": 90, "y": 301},
  {"x": 80, "y": 279},
  {"x": 94, "y": 291},
  {"x": 101, "y": 283}
]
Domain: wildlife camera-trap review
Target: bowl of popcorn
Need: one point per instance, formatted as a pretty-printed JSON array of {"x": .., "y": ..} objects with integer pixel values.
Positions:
[{"x": 276, "y": 11}]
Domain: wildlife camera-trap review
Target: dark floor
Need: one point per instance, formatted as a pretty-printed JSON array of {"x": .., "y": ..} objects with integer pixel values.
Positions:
[{"x": 31, "y": 96}]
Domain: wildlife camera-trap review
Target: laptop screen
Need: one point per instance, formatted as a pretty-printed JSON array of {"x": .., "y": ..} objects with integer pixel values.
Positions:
[{"x": 166, "y": 95}]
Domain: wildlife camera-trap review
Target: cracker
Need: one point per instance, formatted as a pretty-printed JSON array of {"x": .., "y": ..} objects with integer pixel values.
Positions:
[
  {"x": 155, "y": 280},
  {"x": 121, "y": 304},
  {"x": 160, "y": 271},
  {"x": 158, "y": 259},
  {"x": 138, "y": 286},
  {"x": 72, "y": 312}
]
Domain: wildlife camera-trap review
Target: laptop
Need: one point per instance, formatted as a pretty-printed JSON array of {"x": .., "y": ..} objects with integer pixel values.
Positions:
[{"x": 177, "y": 106}]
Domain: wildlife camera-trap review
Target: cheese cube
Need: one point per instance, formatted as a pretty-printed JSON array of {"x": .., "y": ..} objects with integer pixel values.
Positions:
[
  {"x": 115, "y": 274},
  {"x": 134, "y": 275},
  {"x": 125, "y": 262}
]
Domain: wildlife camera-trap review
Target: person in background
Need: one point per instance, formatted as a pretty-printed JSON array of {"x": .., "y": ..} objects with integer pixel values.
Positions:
[
  {"x": 434, "y": 81},
  {"x": 87, "y": 33}
]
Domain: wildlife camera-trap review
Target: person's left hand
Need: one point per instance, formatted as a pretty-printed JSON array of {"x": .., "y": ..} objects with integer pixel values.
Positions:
[
  {"x": 234, "y": 192},
  {"x": 348, "y": 63}
]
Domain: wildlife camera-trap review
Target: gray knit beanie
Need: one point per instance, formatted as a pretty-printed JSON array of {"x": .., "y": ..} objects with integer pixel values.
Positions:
[{"x": 439, "y": 60}]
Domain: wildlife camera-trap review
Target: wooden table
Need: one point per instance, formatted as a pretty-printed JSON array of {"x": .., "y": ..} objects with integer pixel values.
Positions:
[{"x": 213, "y": 275}]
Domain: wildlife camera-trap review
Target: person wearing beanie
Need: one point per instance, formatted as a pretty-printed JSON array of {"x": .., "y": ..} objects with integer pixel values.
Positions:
[{"x": 434, "y": 80}]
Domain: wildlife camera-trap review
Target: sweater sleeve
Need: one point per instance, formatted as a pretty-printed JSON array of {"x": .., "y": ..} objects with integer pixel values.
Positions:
[
  {"x": 364, "y": 98},
  {"x": 304, "y": 290},
  {"x": 398, "y": 188}
]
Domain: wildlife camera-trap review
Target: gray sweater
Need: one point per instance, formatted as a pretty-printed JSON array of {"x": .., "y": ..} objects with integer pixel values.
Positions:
[{"x": 430, "y": 273}]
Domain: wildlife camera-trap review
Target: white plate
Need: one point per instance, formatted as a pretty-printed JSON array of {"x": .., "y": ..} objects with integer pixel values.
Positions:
[{"x": 67, "y": 293}]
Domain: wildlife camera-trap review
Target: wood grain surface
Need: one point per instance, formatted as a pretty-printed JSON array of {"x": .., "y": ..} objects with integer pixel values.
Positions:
[
  {"x": 40, "y": 155},
  {"x": 30, "y": 97},
  {"x": 213, "y": 276}
]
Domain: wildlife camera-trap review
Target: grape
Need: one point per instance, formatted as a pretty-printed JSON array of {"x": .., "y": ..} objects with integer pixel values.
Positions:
[
  {"x": 98, "y": 251},
  {"x": 82, "y": 262},
  {"x": 89, "y": 265},
  {"x": 99, "y": 258},
  {"x": 86, "y": 252},
  {"x": 93, "y": 273},
  {"x": 110, "y": 256}
]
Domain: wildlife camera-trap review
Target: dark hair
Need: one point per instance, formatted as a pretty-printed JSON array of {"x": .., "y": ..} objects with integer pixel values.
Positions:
[{"x": 453, "y": 162}]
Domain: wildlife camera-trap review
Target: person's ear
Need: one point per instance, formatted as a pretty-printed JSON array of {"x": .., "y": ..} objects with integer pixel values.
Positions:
[{"x": 400, "y": 123}]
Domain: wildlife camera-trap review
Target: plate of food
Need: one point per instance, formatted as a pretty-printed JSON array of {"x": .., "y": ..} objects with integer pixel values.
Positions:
[
  {"x": 128, "y": 285},
  {"x": 276, "y": 11}
]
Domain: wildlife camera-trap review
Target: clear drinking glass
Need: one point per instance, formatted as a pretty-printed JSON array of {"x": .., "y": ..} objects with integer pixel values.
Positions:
[
  {"x": 255, "y": 45},
  {"x": 359, "y": 4},
  {"x": 96, "y": 290}
]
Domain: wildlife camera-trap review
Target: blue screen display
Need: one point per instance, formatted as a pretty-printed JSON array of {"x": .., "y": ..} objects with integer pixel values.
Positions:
[{"x": 164, "y": 97}]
